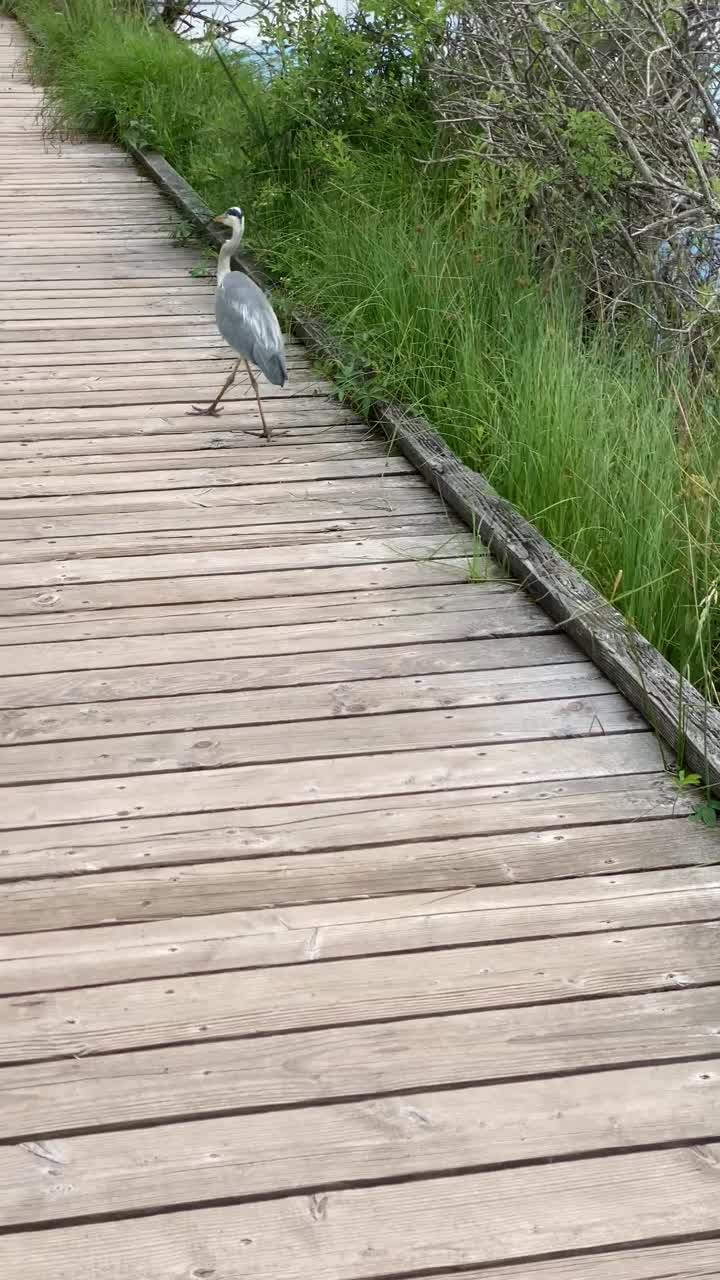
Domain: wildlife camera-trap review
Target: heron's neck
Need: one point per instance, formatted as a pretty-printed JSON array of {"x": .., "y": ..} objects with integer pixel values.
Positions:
[{"x": 227, "y": 250}]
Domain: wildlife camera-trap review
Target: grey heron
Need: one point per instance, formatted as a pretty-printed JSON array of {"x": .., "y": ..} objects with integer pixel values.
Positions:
[{"x": 246, "y": 321}]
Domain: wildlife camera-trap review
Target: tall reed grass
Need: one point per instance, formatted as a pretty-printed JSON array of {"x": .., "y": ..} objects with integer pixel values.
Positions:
[{"x": 611, "y": 456}]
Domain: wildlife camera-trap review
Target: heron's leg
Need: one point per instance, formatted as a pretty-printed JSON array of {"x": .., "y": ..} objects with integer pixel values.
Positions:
[
  {"x": 212, "y": 409},
  {"x": 256, "y": 389}
]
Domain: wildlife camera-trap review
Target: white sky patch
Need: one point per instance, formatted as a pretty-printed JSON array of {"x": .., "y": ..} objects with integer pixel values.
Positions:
[{"x": 243, "y": 15}]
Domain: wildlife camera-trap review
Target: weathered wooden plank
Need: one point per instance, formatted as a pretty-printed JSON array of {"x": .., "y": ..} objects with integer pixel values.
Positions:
[
  {"x": 207, "y": 359},
  {"x": 320, "y": 739},
  {"x": 119, "y": 412},
  {"x": 110, "y": 201},
  {"x": 22, "y": 180},
  {"x": 118, "y": 360},
  {"x": 62, "y": 359},
  {"x": 230, "y": 884},
  {"x": 689, "y": 1260},
  {"x": 247, "y": 452},
  {"x": 75, "y": 359},
  {"x": 124, "y": 221},
  {"x": 30, "y": 189},
  {"x": 294, "y": 419},
  {"x": 349, "y": 777},
  {"x": 420, "y": 835},
  {"x": 227, "y": 441},
  {"x": 54, "y": 160},
  {"x": 443, "y": 546},
  {"x": 68, "y": 354},
  {"x": 149, "y": 258},
  {"x": 213, "y": 616},
  {"x": 379, "y": 696},
  {"x": 103, "y": 371},
  {"x": 197, "y": 539},
  {"x": 96, "y": 206},
  {"x": 198, "y": 388},
  {"x": 113, "y": 420},
  {"x": 135, "y": 481},
  {"x": 146, "y": 220},
  {"x": 143, "y": 309},
  {"x": 79, "y": 273},
  {"x": 46, "y": 1099},
  {"x": 203, "y": 370},
  {"x": 229, "y": 498},
  {"x": 97, "y": 202},
  {"x": 92, "y": 292},
  {"x": 43, "y": 169},
  {"x": 249, "y": 1002},
  {"x": 40, "y": 331},
  {"x": 198, "y": 646},
  {"x": 124, "y": 350},
  {"x": 389, "y": 1230},
  {"x": 61, "y": 958},
  {"x": 227, "y": 536},
  {"x": 249, "y": 586},
  {"x": 288, "y": 415},
  {"x": 70, "y": 245},
  {"x": 145, "y": 256},
  {"x": 291, "y": 1151},
  {"x": 320, "y": 665}
]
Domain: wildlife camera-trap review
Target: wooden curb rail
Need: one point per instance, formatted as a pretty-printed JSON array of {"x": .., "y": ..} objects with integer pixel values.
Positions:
[{"x": 674, "y": 708}]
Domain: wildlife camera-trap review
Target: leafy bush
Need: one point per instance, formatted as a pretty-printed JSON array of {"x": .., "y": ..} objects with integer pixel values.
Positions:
[
  {"x": 362, "y": 77},
  {"x": 612, "y": 107}
]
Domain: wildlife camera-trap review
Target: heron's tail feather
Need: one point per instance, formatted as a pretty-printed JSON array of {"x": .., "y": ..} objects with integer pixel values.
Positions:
[{"x": 275, "y": 369}]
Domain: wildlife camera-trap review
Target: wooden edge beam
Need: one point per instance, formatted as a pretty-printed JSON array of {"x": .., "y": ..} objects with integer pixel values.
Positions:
[{"x": 673, "y": 707}]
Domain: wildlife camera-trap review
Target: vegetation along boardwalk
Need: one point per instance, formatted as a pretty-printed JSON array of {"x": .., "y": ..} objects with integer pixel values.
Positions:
[{"x": 352, "y": 925}]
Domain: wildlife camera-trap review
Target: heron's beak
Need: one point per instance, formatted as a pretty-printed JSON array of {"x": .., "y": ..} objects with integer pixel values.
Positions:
[{"x": 220, "y": 218}]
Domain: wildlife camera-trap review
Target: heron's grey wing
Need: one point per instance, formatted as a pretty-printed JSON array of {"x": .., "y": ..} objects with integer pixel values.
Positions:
[{"x": 248, "y": 323}]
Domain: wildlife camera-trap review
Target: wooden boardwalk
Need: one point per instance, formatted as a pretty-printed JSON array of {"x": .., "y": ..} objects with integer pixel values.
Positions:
[{"x": 351, "y": 926}]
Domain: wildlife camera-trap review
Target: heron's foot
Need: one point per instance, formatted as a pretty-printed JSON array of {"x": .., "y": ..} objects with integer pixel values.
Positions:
[{"x": 208, "y": 411}]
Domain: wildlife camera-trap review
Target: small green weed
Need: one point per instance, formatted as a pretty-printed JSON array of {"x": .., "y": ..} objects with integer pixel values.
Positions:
[
  {"x": 685, "y": 780},
  {"x": 707, "y": 810},
  {"x": 206, "y": 265},
  {"x": 706, "y": 813},
  {"x": 183, "y": 233}
]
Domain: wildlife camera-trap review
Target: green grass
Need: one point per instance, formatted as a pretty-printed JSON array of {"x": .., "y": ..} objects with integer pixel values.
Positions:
[
  {"x": 111, "y": 74},
  {"x": 581, "y": 437},
  {"x": 438, "y": 289}
]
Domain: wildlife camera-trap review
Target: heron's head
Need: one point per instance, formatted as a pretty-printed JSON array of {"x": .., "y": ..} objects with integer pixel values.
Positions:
[{"x": 233, "y": 218}]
